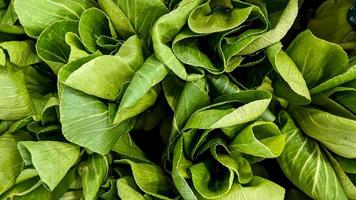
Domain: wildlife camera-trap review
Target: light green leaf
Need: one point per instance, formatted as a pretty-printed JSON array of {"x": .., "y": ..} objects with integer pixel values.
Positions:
[
  {"x": 258, "y": 189},
  {"x": 193, "y": 97},
  {"x": 93, "y": 173},
  {"x": 320, "y": 61},
  {"x": 349, "y": 75},
  {"x": 77, "y": 49},
  {"x": 336, "y": 133},
  {"x": 15, "y": 101},
  {"x": 289, "y": 82},
  {"x": 36, "y": 15},
  {"x": 306, "y": 165},
  {"x": 163, "y": 32},
  {"x": 180, "y": 171},
  {"x": 278, "y": 31},
  {"x": 18, "y": 125},
  {"x": 156, "y": 185},
  {"x": 2, "y": 57},
  {"x": 150, "y": 74},
  {"x": 108, "y": 74},
  {"x": 10, "y": 162},
  {"x": 8, "y": 19},
  {"x": 21, "y": 53},
  {"x": 262, "y": 139},
  {"x": 172, "y": 87},
  {"x": 120, "y": 22},
  {"x": 254, "y": 103},
  {"x": 203, "y": 19},
  {"x": 185, "y": 47},
  {"x": 85, "y": 121},
  {"x": 347, "y": 184},
  {"x": 127, "y": 189},
  {"x": 110, "y": 189},
  {"x": 51, "y": 46},
  {"x": 339, "y": 101},
  {"x": 30, "y": 187},
  {"x": 234, "y": 162},
  {"x": 222, "y": 85},
  {"x": 141, "y": 17},
  {"x": 94, "y": 23},
  {"x": 52, "y": 160}
]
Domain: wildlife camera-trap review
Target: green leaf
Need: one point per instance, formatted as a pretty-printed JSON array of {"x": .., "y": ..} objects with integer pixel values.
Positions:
[
  {"x": 10, "y": 163},
  {"x": 180, "y": 171},
  {"x": 93, "y": 173},
  {"x": 110, "y": 189},
  {"x": 136, "y": 97},
  {"x": 108, "y": 73},
  {"x": 141, "y": 17},
  {"x": 156, "y": 185},
  {"x": 222, "y": 85},
  {"x": 289, "y": 82},
  {"x": 336, "y": 133},
  {"x": 349, "y": 75},
  {"x": 339, "y": 101},
  {"x": 254, "y": 103},
  {"x": 18, "y": 125},
  {"x": 224, "y": 156},
  {"x": 120, "y": 22},
  {"x": 127, "y": 148},
  {"x": 52, "y": 160},
  {"x": 279, "y": 29},
  {"x": 8, "y": 19},
  {"x": 306, "y": 165},
  {"x": 193, "y": 97},
  {"x": 347, "y": 184},
  {"x": 186, "y": 48},
  {"x": 163, "y": 32},
  {"x": 85, "y": 121},
  {"x": 2, "y": 57},
  {"x": 94, "y": 23},
  {"x": 211, "y": 184},
  {"x": 21, "y": 53},
  {"x": 29, "y": 187},
  {"x": 51, "y": 46},
  {"x": 262, "y": 139},
  {"x": 15, "y": 101},
  {"x": 333, "y": 13},
  {"x": 318, "y": 63},
  {"x": 203, "y": 19},
  {"x": 77, "y": 49},
  {"x": 36, "y": 15},
  {"x": 258, "y": 189},
  {"x": 127, "y": 189}
]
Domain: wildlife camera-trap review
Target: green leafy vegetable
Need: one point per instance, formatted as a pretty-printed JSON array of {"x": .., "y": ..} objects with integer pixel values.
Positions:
[{"x": 177, "y": 99}]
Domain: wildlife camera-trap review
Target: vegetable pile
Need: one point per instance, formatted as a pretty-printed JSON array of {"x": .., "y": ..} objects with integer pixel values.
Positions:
[{"x": 177, "y": 99}]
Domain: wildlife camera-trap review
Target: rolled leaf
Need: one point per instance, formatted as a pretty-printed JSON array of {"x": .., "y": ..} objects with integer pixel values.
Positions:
[{"x": 262, "y": 139}]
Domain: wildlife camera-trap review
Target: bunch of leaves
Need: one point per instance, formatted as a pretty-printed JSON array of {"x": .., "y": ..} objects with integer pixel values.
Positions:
[{"x": 190, "y": 99}]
